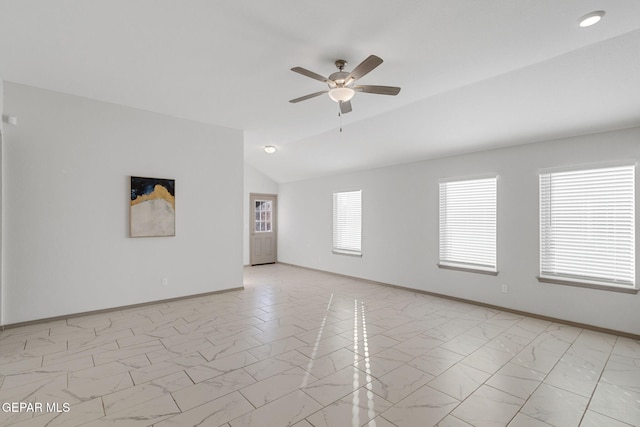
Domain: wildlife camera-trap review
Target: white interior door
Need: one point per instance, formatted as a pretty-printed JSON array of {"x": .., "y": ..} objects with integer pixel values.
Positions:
[{"x": 263, "y": 226}]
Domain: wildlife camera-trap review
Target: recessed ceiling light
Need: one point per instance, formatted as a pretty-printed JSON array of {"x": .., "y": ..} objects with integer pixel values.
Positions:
[
  {"x": 269, "y": 149},
  {"x": 591, "y": 18}
]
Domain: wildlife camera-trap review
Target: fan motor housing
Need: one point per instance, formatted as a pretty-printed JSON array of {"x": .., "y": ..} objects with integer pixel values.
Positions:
[{"x": 338, "y": 77}]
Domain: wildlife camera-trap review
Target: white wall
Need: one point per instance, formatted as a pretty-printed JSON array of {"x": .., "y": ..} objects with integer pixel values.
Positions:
[
  {"x": 254, "y": 182},
  {"x": 1, "y": 193},
  {"x": 400, "y": 228},
  {"x": 67, "y": 168}
]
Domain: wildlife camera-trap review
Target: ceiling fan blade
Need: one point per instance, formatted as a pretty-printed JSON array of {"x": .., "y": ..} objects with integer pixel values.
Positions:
[
  {"x": 345, "y": 107},
  {"x": 380, "y": 90},
  {"x": 308, "y": 73},
  {"x": 311, "y": 95},
  {"x": 364, "y": 68}
]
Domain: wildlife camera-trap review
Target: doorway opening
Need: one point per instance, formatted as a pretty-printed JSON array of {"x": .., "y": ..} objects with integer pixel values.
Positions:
[{"x": 263, "y": 234}]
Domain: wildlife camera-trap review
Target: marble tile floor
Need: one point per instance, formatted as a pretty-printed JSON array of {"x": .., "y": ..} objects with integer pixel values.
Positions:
[{"x": 304, "y": 348}]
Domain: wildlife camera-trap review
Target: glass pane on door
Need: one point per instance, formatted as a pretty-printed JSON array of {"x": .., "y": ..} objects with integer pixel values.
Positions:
[{"x": 263, "y": 216}]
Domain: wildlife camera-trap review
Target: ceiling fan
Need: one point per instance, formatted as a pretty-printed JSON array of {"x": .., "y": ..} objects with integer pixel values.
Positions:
[{"x": 342, "y": 83}]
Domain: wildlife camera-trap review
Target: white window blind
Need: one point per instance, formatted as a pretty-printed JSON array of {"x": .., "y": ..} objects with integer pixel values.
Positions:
[
  {"x": 587, "y": 226},
  {"x": 347, "y": 222},
  {"x": 468, "y": 224}
]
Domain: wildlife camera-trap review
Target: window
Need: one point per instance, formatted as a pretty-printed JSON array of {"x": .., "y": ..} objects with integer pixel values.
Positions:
[
  {"x": 468, "y": 224},
  {"x": 263, "y": 216},
  {"x": 347, "y": 222},
  {"x": 587, "y": 226}
]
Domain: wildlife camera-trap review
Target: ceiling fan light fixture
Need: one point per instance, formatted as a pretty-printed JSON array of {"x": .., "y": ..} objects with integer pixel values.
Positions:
[
  {"x": 269, "y": 149},
  {"x": 342, "y": 83},
  {"x": 591, "y": 18},
  {"x": 341, "y": 94}
]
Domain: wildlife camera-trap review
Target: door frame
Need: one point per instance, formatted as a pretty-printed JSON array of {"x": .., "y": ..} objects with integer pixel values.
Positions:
[{"x": 274, "y": 223}]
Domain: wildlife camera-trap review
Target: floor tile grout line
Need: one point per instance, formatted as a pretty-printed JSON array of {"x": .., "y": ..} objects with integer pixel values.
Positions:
[
  {"x": 251, "y": 403},
  {"x": 545, "y": 377},
  {"x": 604, "y": 367},
  {"x": 461, "y": 315}
]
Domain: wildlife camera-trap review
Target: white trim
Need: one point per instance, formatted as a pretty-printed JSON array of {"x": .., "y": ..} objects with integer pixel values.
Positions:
[
  {"x": 468, "y": 223},
  {"x": 345, "y": 252},
  {"x": 587, "y": 166},
  {"x": 469, "y": 267},
  {"x": 347, "y": 222},
  {"x": 584, "y": 283},
  {"x": 469, "y": 178},
  {"x": 583, "y": 221}
]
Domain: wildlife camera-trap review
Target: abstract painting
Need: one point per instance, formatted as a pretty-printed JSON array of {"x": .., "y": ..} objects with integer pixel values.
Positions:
[{"x": 153, "y": 207}]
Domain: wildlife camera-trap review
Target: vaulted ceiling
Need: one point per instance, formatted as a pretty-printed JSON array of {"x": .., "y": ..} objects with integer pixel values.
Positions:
[{"x": 474, "y": 74}]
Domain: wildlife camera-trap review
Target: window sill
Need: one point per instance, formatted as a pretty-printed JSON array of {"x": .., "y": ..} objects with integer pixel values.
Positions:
[
  {"x": 468, "y": 268},
  {"x": 348, "y": 253},
  {"x": 588, "y": 284}
]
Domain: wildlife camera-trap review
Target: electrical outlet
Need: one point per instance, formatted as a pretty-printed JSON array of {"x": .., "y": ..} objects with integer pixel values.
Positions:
[
  {"x": 505, "y": 289},
  {"x": 165, "y": 281}
]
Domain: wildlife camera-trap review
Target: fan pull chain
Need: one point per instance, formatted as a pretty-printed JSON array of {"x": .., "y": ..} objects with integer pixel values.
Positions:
[{"x": 340, "y": 120}]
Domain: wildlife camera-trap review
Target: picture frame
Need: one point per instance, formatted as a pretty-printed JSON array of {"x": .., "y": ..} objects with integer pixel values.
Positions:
[{"x": 152, "y": 210}]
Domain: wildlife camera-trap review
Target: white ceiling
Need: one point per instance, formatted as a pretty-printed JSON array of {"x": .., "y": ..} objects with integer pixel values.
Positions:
[{"x": 474, "y": 74}]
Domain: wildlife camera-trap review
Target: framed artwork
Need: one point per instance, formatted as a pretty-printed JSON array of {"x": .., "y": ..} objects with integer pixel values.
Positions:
[{"x": 153, "y": 207}]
